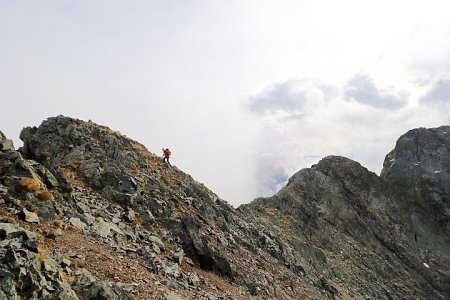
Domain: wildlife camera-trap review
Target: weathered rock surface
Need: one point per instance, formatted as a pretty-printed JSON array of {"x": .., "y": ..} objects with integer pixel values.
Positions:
[
  {"x": 87, "y": 213},
  {"x": 26, "y": 272},
  {"x": 371, "y": 236},
  {"x": 419, "y": 172}
]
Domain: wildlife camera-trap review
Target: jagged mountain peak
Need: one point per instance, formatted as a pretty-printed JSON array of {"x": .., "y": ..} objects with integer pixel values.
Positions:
[
  {"x": 63, "y": 139},
  {"x": 402, "y": 215},
  {"x": 418, "y": 153},
  {"x": 334, "y": 166}
]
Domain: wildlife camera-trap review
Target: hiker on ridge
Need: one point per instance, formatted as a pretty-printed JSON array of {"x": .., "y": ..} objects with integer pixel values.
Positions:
[{"x": 166, "y": 155}]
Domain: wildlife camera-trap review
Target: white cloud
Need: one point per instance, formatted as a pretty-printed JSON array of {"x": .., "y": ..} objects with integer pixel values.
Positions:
[
  {"x": 359, "y": 121},
  {"x": 294, "y": 98},
  {"x": 439, "y": 93},
  {"x": 361, "y": 88}
]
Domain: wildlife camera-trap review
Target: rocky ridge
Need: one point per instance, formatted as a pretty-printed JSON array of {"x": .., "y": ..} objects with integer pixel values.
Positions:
[
  {"x": 381, "y": 237},
  {"x": 87, "y": 213}
]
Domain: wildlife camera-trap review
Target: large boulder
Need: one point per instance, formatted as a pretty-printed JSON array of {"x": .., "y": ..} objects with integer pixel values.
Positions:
[
  {"x": 103, "y": 290},
  {"x": 199, "y": 249},
  {"x": 5, "y": 144}
]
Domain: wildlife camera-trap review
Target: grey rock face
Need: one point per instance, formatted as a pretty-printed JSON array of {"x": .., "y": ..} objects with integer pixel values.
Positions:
[
  {"x": 418, "y": 153},
  {"x": 338, "y": 207},
  {"x": 419, "y": 170}
]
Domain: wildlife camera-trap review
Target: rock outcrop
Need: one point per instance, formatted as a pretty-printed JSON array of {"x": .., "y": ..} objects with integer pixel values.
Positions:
[
  {"x": 418, "y": 170},
  {"x": 381, "y": 237},
  {"x": 87, "y": 213}
]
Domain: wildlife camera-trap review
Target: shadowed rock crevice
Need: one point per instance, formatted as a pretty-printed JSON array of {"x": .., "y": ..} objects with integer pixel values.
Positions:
[{"x": 198, "y": 249}]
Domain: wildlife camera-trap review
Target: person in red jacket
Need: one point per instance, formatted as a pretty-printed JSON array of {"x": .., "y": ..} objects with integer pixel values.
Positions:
[{"x": 166, "y": 155}]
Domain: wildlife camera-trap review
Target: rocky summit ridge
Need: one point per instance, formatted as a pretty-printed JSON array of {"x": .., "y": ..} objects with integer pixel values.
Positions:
[{"x": 87, "y": 213}]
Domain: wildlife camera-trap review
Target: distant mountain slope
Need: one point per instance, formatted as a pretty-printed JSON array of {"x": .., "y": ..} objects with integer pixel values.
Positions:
[
  {"x": 87, "y": 213},
  {"x": 382, "y": 237}
]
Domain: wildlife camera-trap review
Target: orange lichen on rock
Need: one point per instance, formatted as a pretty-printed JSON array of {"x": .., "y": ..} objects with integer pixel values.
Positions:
[{"x": 27, "y": 185}]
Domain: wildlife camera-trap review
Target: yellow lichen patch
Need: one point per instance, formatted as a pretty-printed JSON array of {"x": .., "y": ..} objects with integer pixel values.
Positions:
[
  {"x": 43, "y": 251},
  {"x": 345, "y": 297},
  {"x": 45, "y": 196},
  {"x": 59, "y": 223},
  {"x": 7, "y": 219},
  {"x": 70, "y": 172},
  {"x": 139, "y": 222},
  {"x": 271, "y": 211},
  {"x": 79, "y": 263},
  {"x": 70, "y": 278},
  {"x": 27, "y": 185}
]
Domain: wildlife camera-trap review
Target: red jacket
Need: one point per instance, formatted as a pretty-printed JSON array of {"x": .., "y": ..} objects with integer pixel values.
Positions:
[{"x": 167, "y": 153}]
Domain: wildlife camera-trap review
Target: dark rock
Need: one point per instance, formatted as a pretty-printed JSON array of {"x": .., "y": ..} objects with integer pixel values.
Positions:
[
  {"x": 48, "y": 178},
  {"x": 7, "y": 287},
  {"x": 198, "y": 249},
  {"x": 46, "y": 209},
  {"x": 102, "y": 290},
  {"x": 11, "y": 155},
  {"x": 66, "y": 293}
]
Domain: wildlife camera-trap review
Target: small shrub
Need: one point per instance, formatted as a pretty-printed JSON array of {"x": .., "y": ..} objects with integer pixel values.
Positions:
[
  {"x": 70, "y": 278},
  {"x": 42, "y": 252},
  {"x": 59, "y": 223},
  {"x": 27, "y": 185},
  {"x": 346, "y": 297},
  {"x": 45, "y": 196},
  {"x": 139, "y": 222},
  {"x": 7, "y": 219},
  {"x": 79, "y": 263}
]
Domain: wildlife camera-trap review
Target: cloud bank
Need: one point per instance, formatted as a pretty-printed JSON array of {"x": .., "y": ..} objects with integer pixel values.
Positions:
[
  {"x": 305, "y": 120},
  {"x": 439, "y": 93},
  {"x": 361, "y": 88}
]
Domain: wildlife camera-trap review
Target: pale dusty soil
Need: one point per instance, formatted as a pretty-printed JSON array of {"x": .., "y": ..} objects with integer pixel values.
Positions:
[{"x": 130, "y": 269}]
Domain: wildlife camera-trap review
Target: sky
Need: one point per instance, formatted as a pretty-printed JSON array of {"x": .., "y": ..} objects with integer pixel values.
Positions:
[{"x": 244, "y": 92}]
